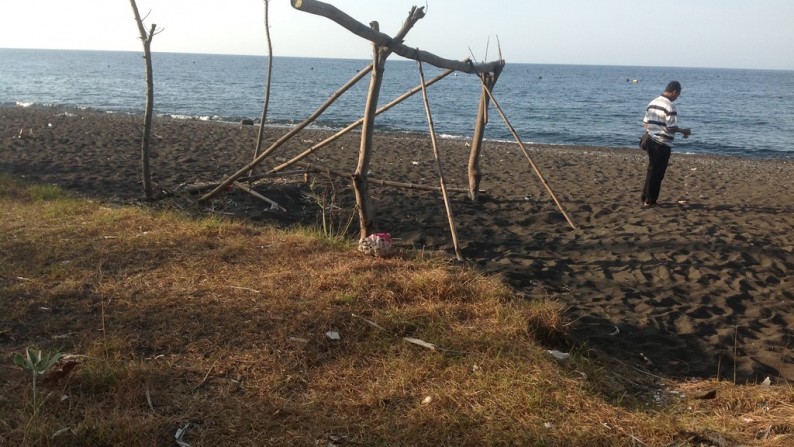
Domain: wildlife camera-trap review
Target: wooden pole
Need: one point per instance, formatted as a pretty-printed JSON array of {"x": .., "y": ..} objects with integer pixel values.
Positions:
[
  {"x": 360, "y": 185},
  {"x": 146, "y": 171},
  {"x": 379, "y": 56},
  {"x": 437, "y": 155},
  {"x": 375, "y": 181},
  {"x": 475, "y": 175},
  {"x": 249, "y": 190},
  {"x": 531, "y": 162},
  {"x": 198, "y": 187},
  {"x": 228, "y": 181},
  {"x": 352, "y": 126}
]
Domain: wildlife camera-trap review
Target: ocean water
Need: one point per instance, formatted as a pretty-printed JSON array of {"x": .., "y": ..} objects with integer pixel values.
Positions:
[{"x": 745, "y": 113}]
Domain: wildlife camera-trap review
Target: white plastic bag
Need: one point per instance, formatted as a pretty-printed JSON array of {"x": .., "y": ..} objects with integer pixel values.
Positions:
[{"x": 378, "y": 244}]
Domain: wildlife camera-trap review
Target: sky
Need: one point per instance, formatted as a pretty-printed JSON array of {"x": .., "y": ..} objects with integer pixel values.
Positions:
[{"x": 755, "y": 34}]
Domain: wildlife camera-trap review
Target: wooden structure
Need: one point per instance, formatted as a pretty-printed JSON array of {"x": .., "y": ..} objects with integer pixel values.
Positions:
[{"x": 382, "y": 47}]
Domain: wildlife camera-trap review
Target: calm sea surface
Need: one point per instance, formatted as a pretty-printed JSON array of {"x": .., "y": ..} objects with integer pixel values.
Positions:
[{"x": 747, "y": 113}]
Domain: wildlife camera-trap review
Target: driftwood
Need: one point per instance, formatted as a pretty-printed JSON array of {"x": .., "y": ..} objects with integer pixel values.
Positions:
[
  {"x": 360, "y": 185},
  {"x": 394, "y": 44},
  {"x": 437, "y": 155},
  {"x": 253, "y": 178},
  {"x": 286, "y": 137},
  {"x": 376, "y": 181},
  {"x": 355, "y": 124},
  {"x": 249, "y": 190},
  {"x": 196, "y": 188},
  {"x": 379, "y": 55},
  {"x": 475, "y": 175},
  {"x": 382, "y": 47}
]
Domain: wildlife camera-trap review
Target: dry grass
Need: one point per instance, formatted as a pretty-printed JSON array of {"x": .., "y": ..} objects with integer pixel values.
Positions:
[{"x": 222, "y": 325}]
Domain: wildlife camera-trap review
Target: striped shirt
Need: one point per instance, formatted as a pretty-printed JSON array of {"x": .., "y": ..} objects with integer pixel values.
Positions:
[{"x": 659, "y": 116}]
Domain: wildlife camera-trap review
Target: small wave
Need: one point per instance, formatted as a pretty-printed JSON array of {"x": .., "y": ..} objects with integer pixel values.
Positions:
[
  {"x": 177, "y": 116},
  {"x": 447, "y": 136},
  {"x": 501, "y": 140},
  {"x": 27, "y": 104}
]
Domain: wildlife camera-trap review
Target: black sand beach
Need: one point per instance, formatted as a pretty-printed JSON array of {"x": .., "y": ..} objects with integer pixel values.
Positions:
[{"x": 699, "y": 286}]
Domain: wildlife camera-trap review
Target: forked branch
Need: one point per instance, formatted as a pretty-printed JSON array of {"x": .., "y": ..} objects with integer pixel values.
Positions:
[{"x": 394, "y": 44}]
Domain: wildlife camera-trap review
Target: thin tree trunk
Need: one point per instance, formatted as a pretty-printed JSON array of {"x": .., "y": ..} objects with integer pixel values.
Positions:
[
  {"x": 261, "y": 134},
  {"x": 146, "y": 172}
]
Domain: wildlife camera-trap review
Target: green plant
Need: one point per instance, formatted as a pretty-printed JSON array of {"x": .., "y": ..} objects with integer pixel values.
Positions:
[
  {"x": 326, "y": 199},
  {"x": 37, "y": 363},
  {"x": 47, "y": 192}
]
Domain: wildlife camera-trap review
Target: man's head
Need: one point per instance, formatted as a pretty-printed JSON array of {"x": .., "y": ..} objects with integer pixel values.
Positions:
[{"x": 673, "y": 90}]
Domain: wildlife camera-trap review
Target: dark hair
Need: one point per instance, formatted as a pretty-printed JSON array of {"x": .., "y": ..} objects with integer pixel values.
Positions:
[{"x": 673, "y": 86}]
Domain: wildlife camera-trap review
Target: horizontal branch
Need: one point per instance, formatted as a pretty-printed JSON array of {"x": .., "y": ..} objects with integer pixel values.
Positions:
[
  {"x": 331, "y": 12},
  {"x": 375, "y": 181}
]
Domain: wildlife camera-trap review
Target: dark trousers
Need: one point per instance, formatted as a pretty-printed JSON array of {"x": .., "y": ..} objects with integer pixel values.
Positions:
[{"x": 658, "y": 157}]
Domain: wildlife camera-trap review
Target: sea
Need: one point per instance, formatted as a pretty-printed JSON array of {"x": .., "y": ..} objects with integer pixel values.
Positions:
[{"x": 732, "y": 112}]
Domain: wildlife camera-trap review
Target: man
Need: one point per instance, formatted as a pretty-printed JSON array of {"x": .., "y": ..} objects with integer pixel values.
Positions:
[{"x": 661, "y": 125}]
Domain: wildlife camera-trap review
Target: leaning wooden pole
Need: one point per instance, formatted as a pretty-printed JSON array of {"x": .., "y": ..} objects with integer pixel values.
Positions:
[
  {"x": 228, "y": 181},
  {"x": 273, "y": 204},
  {"x": 355, "y": 124},
  {"x": 529, "y": 158},
  {"x": 437, "y": 155}
]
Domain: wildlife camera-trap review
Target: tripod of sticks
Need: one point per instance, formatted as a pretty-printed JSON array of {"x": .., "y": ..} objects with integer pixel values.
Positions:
[{"x": 383, "y": 47}]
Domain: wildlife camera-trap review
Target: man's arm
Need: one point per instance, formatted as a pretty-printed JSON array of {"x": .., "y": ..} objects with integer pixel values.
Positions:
[{"x": 682, "y": 130}]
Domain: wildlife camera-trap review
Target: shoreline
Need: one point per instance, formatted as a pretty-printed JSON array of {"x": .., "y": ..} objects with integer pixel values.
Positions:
[
  {"x": 783, "y": 156},
  {"x": 682, "y": 283}
]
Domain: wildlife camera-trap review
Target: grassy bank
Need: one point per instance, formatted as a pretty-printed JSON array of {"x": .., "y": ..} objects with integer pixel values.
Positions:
[{"x": 229, "y": 332}]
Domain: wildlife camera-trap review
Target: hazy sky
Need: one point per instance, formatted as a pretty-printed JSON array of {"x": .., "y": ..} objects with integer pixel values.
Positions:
[{"x": 687, "y": 33}]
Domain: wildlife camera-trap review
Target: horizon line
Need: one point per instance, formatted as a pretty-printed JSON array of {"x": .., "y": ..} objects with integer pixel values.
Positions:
[{"x": 364, "y": 59}]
